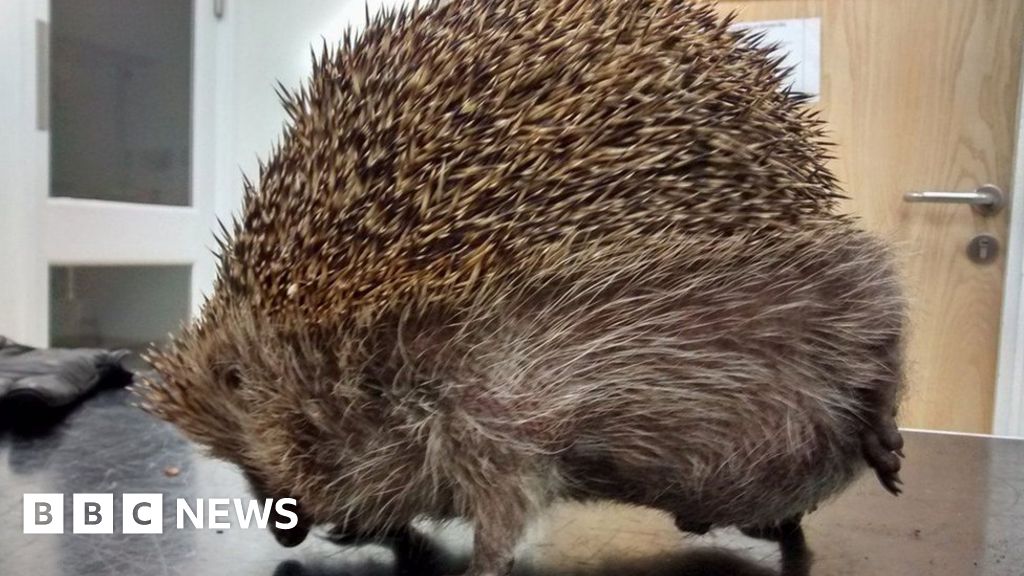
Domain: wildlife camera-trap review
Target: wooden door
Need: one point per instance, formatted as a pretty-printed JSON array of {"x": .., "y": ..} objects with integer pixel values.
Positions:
[{"x": 922, "y": 95}]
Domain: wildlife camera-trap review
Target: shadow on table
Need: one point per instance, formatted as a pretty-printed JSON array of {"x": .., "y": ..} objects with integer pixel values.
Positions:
[{"x": 421, "y": 557}]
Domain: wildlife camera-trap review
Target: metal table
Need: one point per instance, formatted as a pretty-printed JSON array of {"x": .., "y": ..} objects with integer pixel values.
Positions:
[{"x": 961, "y": 514}]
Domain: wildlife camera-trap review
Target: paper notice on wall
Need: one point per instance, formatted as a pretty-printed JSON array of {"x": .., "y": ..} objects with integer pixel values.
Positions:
[{"x": 800, "y": 42}]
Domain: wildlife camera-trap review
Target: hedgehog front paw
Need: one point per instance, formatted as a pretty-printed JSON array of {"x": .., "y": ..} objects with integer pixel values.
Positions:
[
  {"x": 697, "y": 528},
  {"x": 774, "y": 532},
  {"x": 505, "y": 570}
]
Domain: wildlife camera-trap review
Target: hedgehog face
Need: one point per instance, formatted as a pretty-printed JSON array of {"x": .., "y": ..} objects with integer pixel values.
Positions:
[
  {"x": 203, "y": 389},
  {"x": 197, "y": 390}
]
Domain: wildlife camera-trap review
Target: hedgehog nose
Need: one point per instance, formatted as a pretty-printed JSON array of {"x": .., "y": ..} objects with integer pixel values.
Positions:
[{"x": 290, "y": 537}]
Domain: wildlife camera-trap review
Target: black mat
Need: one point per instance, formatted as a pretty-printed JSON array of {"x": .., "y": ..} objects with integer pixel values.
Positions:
[{"x": 39, "y": 386}]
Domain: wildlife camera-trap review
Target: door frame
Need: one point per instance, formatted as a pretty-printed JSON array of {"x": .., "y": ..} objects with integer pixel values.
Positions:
[
  {"x": 21, "y": 288},
  {"x": 38, "y": 231},
  {"x": 1008, "y": 417}
]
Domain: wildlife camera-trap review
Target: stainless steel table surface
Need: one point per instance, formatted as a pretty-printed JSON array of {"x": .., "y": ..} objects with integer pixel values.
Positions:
[{"x": 962, "y": 513}]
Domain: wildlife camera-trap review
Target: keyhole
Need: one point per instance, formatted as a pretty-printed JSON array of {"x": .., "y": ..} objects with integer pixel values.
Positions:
[{"x": 983, "y": 249}]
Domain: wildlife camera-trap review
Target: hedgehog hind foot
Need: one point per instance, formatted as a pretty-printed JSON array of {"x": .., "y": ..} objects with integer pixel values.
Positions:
[
  {"x": 880, "y": 438},
  {"x": 882, "y": 446},
  {"x": 883, "y": 454}
]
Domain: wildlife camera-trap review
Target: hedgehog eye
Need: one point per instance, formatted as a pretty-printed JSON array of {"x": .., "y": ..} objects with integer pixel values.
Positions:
[{"x": 233, "y": 379}]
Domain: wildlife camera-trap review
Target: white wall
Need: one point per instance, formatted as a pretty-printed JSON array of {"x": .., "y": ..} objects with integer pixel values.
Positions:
[{"x": 269, "y": 41}]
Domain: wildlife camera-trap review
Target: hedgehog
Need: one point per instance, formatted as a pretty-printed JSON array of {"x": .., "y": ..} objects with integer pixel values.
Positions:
[{"x": 507, "y": 254}]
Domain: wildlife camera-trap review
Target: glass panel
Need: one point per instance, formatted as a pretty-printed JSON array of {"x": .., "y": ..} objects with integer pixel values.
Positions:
[
  {"x": 120, "y": 100},
  {"x": 117, "y": 306}
]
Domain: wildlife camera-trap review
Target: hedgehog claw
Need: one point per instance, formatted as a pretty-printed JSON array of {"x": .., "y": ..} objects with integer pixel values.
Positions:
[
  {"x": 885, "y": 460},
  {"x": 892, "y": 483}
]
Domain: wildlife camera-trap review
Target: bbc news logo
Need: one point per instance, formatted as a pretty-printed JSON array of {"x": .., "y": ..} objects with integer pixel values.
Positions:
[{"x": 144, "y": 513}]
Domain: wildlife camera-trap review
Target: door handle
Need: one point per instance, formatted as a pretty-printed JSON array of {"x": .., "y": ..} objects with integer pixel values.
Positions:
[{"x": 987, "y": 200}]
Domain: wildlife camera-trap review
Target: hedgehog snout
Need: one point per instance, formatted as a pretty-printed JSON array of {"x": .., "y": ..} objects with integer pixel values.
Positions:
[{"x": 287, "y": 537}]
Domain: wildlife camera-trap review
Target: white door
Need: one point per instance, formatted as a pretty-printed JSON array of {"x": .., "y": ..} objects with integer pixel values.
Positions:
[{"x": 107, "y": 115}]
